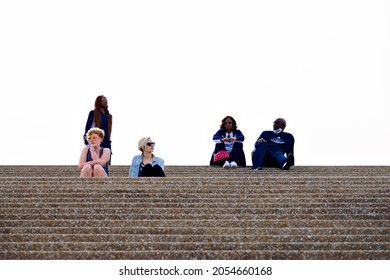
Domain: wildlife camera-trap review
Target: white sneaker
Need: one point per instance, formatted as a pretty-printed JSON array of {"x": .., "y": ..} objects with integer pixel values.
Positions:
[
  {"x": 233, "y": 164},
  {"x": 226, "y": 165}
]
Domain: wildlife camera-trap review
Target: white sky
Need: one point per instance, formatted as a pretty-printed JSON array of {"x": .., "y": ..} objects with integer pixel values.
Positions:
[{"x": 173, "y": 69}]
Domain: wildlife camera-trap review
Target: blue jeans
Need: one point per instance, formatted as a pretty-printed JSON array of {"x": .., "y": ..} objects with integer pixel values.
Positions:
[{"x": 267, "y": 155}]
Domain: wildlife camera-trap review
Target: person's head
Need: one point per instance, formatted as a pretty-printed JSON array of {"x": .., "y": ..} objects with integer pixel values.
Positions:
[
  {"x": 145, "y": 144},
  {"x": 279, "y": 123},
  {"x": 95, "y": 134},
  {"x": 228, "y": 123},
  {"x": 101, "y": 102}
]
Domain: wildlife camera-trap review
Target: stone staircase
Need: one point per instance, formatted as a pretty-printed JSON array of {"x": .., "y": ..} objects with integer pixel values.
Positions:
[{"x": 196, "y": 212}]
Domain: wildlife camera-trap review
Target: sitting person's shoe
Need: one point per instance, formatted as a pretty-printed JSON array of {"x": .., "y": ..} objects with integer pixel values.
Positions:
[
  {"x": 226, "y": 165},
  {"x": 257, "y": 169},
  {"x": 289, "y": 162},
  {"x": 233, "y": 164}
]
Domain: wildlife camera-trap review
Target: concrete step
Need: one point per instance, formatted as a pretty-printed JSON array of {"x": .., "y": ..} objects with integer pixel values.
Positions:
[
  {"x": 196, "y": 212},
  {"x": 157, "y": 226},
  {"x": 196, "y": 238},
  {"x": 211, "y": 245},
  {"x": 197, "y": 171},
  {"x": 202, "y": 255}
]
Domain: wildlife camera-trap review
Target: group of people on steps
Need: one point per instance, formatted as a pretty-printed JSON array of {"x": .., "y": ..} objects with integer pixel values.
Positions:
[{"x": 273, "y": 148}]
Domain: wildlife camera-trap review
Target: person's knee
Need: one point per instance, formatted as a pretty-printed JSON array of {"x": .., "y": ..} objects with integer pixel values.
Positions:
[
  {"x": 238, "y": 145},
  {"x": 219, "y": 147},
  {"x": 147, "y": 167},
  {"x": 147, "y": 170},
  {"x": 157, "y": 168},
  {"x": 98, "y": 170},
  {"x": 86, "y": 171},
  {"x": 260, "y": 148},
  {"x": 262, "y": 145},
  {"x": 158, "y": 171}
]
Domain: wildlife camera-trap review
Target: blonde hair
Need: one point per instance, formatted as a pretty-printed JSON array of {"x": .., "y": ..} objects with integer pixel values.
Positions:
[
  {"x": 142, "y": 143},
  {"x": 95, "y": 130}
]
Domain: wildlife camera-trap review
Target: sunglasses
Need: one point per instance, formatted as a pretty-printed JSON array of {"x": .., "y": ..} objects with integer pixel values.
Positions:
[
  {"x": 151, "y": 144},
  {"x": 94, "y": 138}
]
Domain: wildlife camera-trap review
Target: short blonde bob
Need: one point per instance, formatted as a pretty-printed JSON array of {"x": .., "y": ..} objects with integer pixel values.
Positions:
[{"x": 142, "y": 143}]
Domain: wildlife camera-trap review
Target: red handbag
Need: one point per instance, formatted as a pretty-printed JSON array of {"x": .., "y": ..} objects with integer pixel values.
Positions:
[{"x": 221, "y": 155}]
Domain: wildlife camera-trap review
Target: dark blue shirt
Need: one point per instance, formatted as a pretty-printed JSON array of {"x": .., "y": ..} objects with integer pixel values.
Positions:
[
  {"x": 235, "y": 133},
  {"x": 106, "y": 143},
  {"x": 283, "y": 142}
]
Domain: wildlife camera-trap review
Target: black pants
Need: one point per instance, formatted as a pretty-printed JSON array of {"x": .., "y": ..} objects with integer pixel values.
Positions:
[
  {"x": 237, "y": 154},
  {"x": 152, "y": 171}
]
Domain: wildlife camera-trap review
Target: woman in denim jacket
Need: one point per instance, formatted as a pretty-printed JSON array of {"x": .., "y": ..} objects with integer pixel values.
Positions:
[{"x": 146, "y": 164}]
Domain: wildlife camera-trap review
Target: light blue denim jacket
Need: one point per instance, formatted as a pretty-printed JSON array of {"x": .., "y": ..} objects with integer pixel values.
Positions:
[{"x": 134, "y": 168}]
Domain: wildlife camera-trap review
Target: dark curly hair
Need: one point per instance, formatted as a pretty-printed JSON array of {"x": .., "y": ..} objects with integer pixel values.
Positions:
[{"x": 224, "y": 120}]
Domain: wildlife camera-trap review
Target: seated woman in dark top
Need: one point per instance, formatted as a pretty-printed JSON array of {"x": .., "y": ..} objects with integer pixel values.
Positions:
[
  {"x": 228, "y": 139},
  {"x": 146, "y": 164}
]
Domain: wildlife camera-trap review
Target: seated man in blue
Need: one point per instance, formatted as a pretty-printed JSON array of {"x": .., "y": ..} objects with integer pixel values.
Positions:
[
  {"x": 274, "y": 148},
  {"x": 146, "y": 164},
  {"x": 229, "y": 139}
]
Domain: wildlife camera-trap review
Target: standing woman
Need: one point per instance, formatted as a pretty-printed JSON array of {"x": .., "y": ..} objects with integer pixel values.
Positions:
[
  {"x": 146, "y": 164},
  {"x": 100, "y": 117},
  {"x": 229, "y": 139}
]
